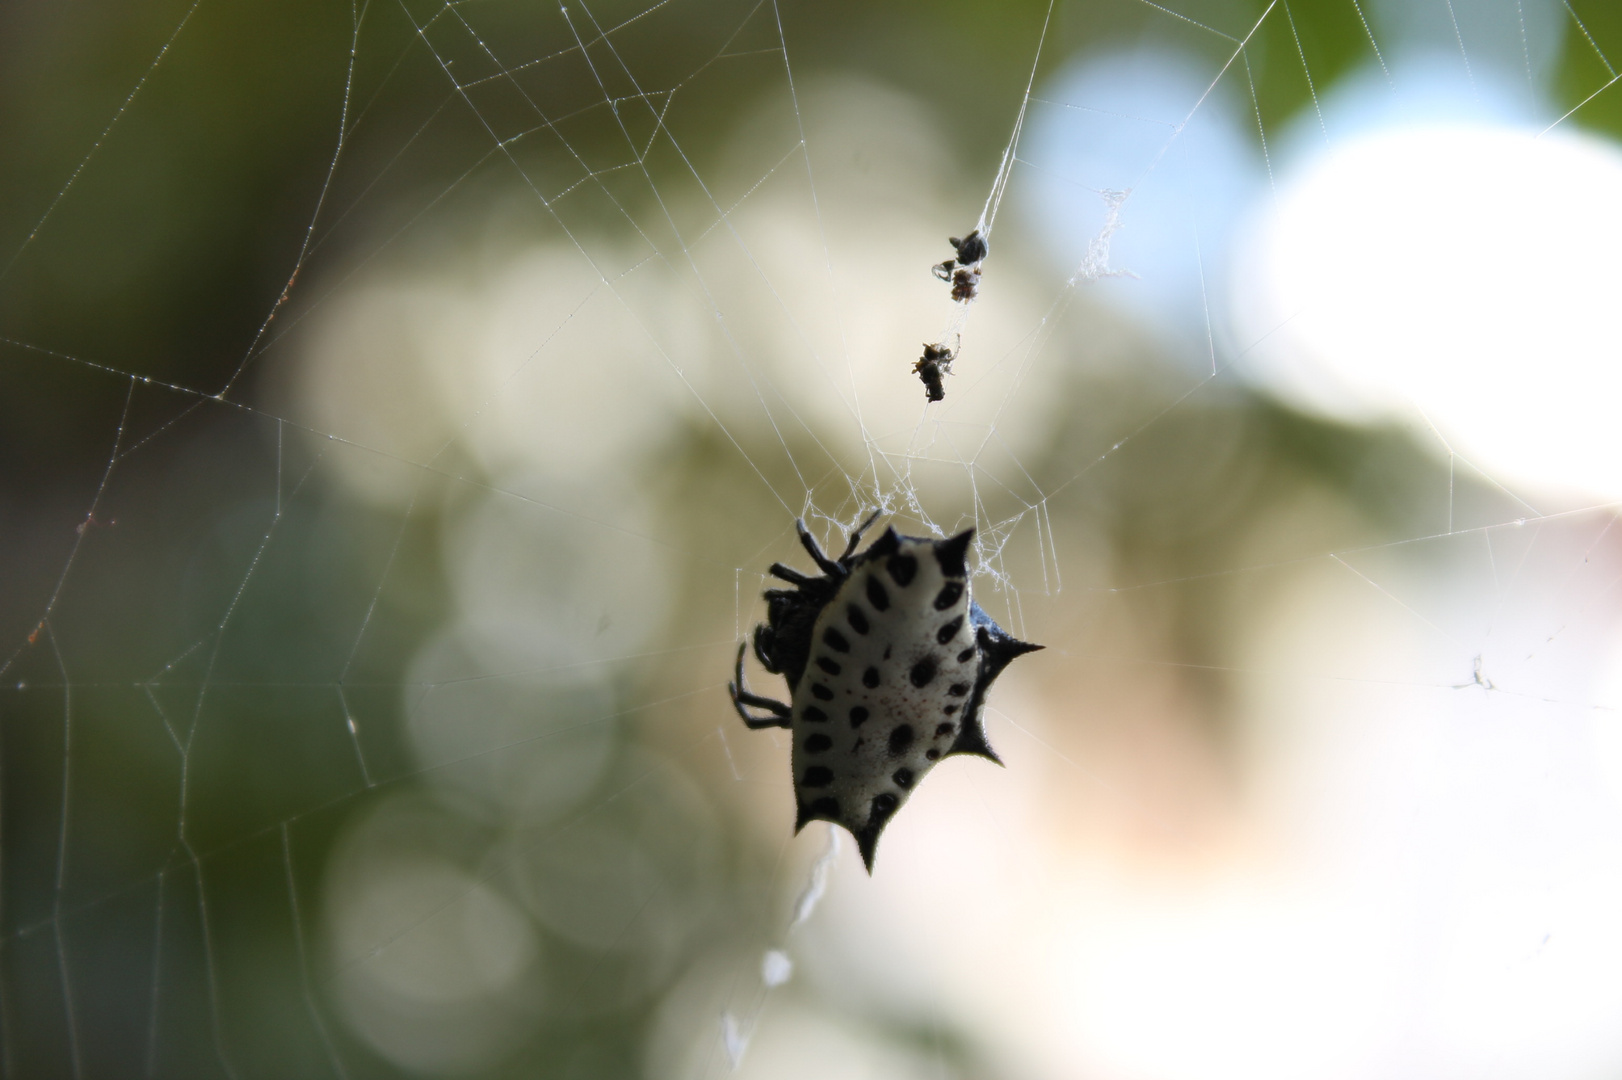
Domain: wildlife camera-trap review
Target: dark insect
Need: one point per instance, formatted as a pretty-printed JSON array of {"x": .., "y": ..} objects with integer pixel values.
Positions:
[
  {"x": 963, "y": 269},
  {"x": 888, "y": 662},
  {"x": 932, "y": 368},
  {"x": 971, "y": 249}
]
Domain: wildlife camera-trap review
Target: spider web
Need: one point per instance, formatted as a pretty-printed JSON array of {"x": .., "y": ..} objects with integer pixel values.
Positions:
[{"x": 364, "y": 648}]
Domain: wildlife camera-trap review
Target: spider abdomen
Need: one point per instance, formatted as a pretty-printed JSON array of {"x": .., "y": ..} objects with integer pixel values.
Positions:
[{"x": 890, "y": 674}]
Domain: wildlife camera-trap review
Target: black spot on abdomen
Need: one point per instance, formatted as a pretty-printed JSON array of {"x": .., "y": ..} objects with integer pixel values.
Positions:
[
  {"x": 827, "y": 806},
  {"x": 857, "y": 620},
  {"x": 876, "y": 594},
  {"x": 901, "y": 739},
  {"x": 813, "y": 714},
  {"x": 884, "y": 805},
  {"x": 902, "y": 778},
  {"x": 821, "y": 693},
  {"x": 817, "y": 776},
  {"x": 858, "y": 716},
  {"x": 923, "y": 671},
  {"x": 870, "y": 678},
  {"x": 949, "y": 631},
  {"x": 958, "y": 689},
  {"x": 903, "y": 568},
  {"x": 944, "y": 729},
  {"x": 835, "y": 640},
  {"x": 817, "y": 743},
  {"x": 966, "y": 655},
  {"x": 949, "y": 595},
  {"x": 828, "y": 665}
]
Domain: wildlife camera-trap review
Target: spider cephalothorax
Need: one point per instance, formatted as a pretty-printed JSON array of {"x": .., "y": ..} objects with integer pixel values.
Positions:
[{"x": 887, "y": 661}]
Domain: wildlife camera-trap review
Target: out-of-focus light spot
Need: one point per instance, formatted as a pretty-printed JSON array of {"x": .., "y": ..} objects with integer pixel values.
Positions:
[
  {"x": 1607, "y": 732},
  {"x": 1469, "y": 39},
  {"x": 733, "y": 1040},
  {"x": 1463, "y": 275},
  {"x": 568, "y": 373},
  {"x": 431, "y": 934},
  {"x": 776, "y": 968},
  {"x": 1246, "y": 985},
  {"x": 550, "y": 576},
  {"x": 1605, "y": 719},
  {"x": 1530, "y": 982},
  {"x": 798, "y": 1044},
  {"x": 522, "y": 736},
  {"x": 365, "y": 386},
  {"x": 593, "y": 884},
  {"x": 435, "y": 969},
  {"x": 631, "y": 883},
  {"x": 526, "y": 360}
]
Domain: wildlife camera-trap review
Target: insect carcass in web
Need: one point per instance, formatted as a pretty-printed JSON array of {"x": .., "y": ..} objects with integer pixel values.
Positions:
[
  {"x": 888, "y": 661},
  {"x": 963, "y": 269},
  {"x": 932, "y": 368}
]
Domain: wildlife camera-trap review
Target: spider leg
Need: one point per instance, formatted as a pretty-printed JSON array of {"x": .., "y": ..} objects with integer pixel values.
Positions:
[
  {"x": 827, "y": 565},
  {"x": 760, "y": 650},
  {"x": 789, "y": 574},
  {"x": 856, "y": 537},
  {"x": 755, "y": 723},
  {"x": 741, "y": 697}
]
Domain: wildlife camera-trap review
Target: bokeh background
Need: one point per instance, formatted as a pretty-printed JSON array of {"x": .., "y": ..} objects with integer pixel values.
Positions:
[{"x": 400, "y": 404}]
